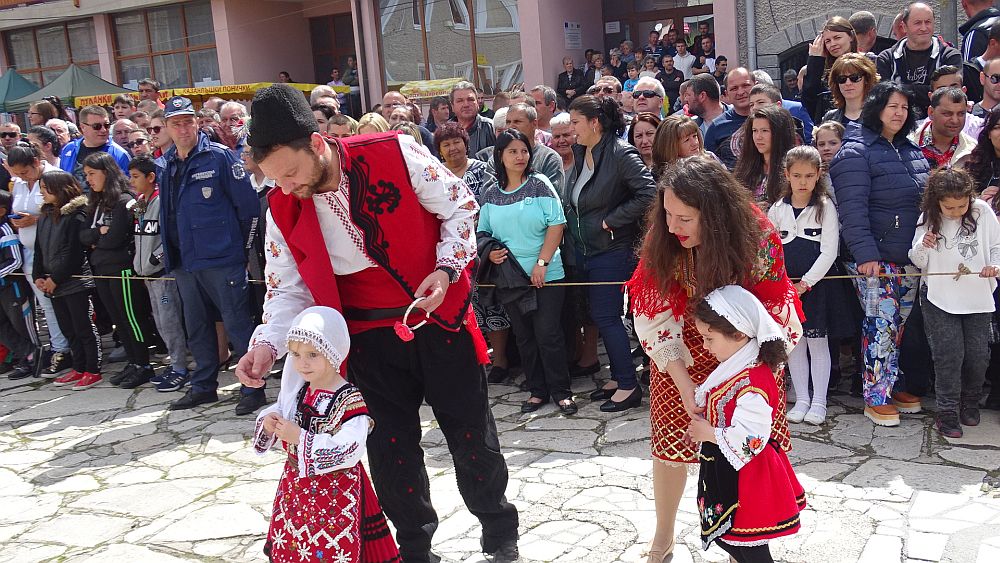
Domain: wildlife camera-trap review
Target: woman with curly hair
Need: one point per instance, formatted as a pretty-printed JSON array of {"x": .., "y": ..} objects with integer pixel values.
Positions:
[{"x": 704, "y": 232}]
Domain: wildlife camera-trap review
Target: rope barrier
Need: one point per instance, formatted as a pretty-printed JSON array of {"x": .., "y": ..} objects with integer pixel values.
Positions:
[{"x": 955, "y": 275}]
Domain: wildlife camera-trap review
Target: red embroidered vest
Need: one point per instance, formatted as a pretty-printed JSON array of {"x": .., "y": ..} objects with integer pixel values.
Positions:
[{"x": 400, "y": 236}]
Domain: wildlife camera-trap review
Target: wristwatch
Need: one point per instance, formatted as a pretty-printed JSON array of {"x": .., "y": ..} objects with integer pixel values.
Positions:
[{"x": 542, "y": 263}]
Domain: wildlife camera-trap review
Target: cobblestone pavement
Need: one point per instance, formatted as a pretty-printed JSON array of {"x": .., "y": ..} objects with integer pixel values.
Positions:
[{"x": 108, "y": 475}]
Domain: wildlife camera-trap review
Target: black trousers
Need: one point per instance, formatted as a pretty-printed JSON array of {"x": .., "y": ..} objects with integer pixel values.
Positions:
[
  {"x": 744, "y": 554},
  {"x": 73, "y": 313},
  {"x": 18, "y": 331},
  {"x": 542, "y": 345},
  {"x": 396, "y": 377},
  {"x": 130, "y": 319}
]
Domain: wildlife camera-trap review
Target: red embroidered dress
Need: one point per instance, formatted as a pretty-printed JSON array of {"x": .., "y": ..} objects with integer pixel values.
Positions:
[
  {"x": 325, "y": 509},
  {"x": 747, "y": 491},
  {"x": 666, "y": 334}
]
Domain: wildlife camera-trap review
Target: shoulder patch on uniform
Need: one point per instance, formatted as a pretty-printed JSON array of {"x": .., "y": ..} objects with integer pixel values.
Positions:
[{"x": 238, "y": 171}]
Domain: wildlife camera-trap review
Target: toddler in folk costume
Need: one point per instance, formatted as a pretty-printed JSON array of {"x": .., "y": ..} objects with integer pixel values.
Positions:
[
  {"x": 747, "y": 491},
  {"x": 325, "y": 508}
]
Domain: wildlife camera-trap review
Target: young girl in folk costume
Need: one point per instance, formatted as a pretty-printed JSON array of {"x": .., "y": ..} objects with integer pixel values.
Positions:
[
  {"x": 957, "y": 233},
  {"x": 747, "y": 491},
  {"x": 807, "y": 222},
  {"x": 325, "y": 508}
]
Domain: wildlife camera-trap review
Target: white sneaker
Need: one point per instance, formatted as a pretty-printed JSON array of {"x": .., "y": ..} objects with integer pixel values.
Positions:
[
  {"x": 798, "y": 412},
  {"x": 816, "y": 415}
]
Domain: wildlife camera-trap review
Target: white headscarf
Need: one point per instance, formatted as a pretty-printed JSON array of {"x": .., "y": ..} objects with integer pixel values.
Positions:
[
  {"x": 324, "y": 329},
  {"x": 747, "y": 315}
]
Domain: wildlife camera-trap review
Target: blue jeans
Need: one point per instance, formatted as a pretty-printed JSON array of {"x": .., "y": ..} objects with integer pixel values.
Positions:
[
  {"x": 607, "y": 305},
  {"x": 205, "y": 296}
]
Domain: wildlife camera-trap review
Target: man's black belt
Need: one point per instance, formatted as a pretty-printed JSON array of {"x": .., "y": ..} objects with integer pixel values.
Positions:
[{"x": 374, "y": 314}]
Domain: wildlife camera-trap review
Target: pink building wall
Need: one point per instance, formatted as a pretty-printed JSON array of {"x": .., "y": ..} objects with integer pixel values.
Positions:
[
  {"x": 256, "y": 40},
  {"x": 726, "y": 30},
  {"x": 105, "y": 47},
  {"x": 542, "y": 42}
]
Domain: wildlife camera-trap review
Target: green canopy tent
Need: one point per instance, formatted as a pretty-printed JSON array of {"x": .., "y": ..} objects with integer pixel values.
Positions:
[
  {"x": 72, "y": 83},
  {"x": 13, "y": 86}
]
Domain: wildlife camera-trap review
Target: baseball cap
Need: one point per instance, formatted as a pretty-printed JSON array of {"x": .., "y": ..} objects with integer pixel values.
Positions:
[{"x": 178, "y": 105}]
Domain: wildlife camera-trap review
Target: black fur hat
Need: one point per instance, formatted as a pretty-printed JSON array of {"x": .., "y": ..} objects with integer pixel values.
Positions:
[{"x": 280, "y": 114}]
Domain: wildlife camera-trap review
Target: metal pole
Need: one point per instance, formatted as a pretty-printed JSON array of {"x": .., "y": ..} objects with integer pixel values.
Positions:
[{"x": 751, "y": 34}]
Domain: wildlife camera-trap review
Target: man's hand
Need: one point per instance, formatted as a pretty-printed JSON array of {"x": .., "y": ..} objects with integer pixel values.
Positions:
[
  {"x": 433, "y": 289},
  {"x": 254, "y": 366},
  {"x": 50, "y": 286},
  {"x": 287, "y": 430},
  {"x": 498, "y": 256},
  {"x": 538, "y": 276}
]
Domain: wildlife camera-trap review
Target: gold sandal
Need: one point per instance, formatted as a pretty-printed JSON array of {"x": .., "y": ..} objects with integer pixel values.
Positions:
[{"x": 659, "y": 555}]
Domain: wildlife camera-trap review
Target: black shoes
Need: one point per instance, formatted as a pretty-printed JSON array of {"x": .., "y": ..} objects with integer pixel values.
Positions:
[
  {"x": 947, "y": 424},
  {"x": 24, "y": 369},
  {"x": 969, "y": 416},
  {"x": 124, "y": 374},
  {"x": 630, "y": 402},
  {"x": 497, "y": 375},
  {"x": 250, "y": 403},
  {"x": 138, "y": 376},
  {"x": 61, "y": 362},
  {"x": 576, "y": 370},
  {"x": 193, "y": 398},
  {"x": 506, "y": 553},
  {"x": 569, "y": 407},
  {"x": 602, "y": 394},
  {"x": 530, "y": 406}
]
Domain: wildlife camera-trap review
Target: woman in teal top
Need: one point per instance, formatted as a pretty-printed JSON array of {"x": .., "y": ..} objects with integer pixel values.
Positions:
[{"x": 523, "y": 211}]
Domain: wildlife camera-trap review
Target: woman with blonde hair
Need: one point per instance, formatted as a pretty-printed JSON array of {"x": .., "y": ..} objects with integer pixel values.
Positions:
[
  {"x": 372, "y": 123},
  {"x": 852, "y": 76}
]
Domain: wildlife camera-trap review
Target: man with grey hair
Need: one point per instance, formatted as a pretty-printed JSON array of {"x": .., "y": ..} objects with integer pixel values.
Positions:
[
  {"x": 865, "y": 28},
  {"x": 465, "y": 104},
  {"x": 545, "y": 105},
  {"x": 393, "y": 100},
  {"x": 790, "y": 84},
  {"x": 628, "y": 51},
  {"x": 233, "y": 116},
  {"x": 59, "y": 127},
  {"x": 648, "y": 96},
  {"x": 318, "y": 92},
  {"x": 120, "y": 130},
  {"x": 524, "y": 118}
]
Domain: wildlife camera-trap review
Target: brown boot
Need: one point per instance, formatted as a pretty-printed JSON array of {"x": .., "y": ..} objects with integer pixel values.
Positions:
[
  {"x": 883, "y": 415},
  {"x": 906, "y": 402}
]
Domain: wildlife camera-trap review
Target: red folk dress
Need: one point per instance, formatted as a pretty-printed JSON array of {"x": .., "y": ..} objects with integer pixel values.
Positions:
[
  {"x": 666, "y": 334},
  {"x": 325, "y": 510},
  {"x": 747, "y": 491}
]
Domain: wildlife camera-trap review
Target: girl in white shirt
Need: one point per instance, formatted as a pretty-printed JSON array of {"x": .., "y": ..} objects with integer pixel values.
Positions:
[
  {"x": 957, "y": 233},
  {"x": 807, "y": 222}
]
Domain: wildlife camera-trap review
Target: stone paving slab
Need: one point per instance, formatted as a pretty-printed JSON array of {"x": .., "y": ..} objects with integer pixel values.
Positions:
[{"x": 109, "y": 475}]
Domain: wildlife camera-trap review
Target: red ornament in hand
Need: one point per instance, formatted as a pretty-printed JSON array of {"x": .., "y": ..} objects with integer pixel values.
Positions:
[{"x": 403, "y": 332}]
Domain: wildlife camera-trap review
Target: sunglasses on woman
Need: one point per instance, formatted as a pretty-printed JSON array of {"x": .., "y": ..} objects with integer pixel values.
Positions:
[
  {"x": 644, "y": 94},
  {"x": 136, "y": 143},
  {"x": 154, "y": 130},
  {"x": 854, "y": 78}
]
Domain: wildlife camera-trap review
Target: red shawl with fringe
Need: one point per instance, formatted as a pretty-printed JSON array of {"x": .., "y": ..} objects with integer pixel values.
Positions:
[{"x": 768, "y": 281}]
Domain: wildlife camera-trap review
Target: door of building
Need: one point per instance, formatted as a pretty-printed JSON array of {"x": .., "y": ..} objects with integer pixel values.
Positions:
[
  {"x": 332, "y": 42},
  {"x": 634, "y": 19}
]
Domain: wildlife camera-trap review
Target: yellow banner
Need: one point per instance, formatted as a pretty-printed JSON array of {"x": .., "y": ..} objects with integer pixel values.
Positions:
[
  {"x": 429, "y": 88},
  {"x": 107, "y": 99}
]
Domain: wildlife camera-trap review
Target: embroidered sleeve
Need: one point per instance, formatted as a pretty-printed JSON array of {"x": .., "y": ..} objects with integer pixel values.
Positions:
[
  {"x": 446, "y": 196},
  {"x": 829, "y": 245},
  {"x": 262, "y": 441},
  {"x": 749, "y": 429},
  {"x": 321, "y": 453},
  {"x": 773, "y": 288},
  {"x": 286, "y": 296},
  {"x": 662, "y": 339}
]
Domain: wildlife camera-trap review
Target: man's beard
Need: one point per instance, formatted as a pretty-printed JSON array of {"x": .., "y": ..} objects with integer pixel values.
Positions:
[{"x": 321, "y": 177}]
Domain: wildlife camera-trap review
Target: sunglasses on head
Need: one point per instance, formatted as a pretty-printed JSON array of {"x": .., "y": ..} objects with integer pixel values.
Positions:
[
  {"x": 995, "y": 78},
  {"x": 154, "y": 130},
  {"x": 855, "y": 78},
  {"x": 99, "y": 126},
  {"x": 136, "y": 143},
  {"x": 644, "y": 94},
  {"x": 9, "y": 135}
]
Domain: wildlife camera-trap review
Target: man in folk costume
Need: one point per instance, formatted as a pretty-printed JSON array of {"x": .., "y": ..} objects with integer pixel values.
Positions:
[{"x": 373, "y": 226}]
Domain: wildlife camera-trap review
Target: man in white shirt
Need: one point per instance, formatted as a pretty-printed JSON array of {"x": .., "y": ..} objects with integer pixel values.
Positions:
[{"x": 683, "y": 60}]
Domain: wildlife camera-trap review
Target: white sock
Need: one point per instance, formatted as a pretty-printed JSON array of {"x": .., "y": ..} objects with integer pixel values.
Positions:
[
  {"x": 798, "y": 367},
  {"x": 819, "y": 356}
]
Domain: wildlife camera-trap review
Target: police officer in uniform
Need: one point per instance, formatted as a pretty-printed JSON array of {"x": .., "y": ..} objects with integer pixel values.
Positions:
[{"x": 206, "y": 213}]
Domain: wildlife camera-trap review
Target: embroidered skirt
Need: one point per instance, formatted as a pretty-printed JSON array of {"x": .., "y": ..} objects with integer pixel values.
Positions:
[
  {"x": 751, "y": 506},
  {"x": 668, "y": 419},
  {"x": 329, "y": 517}
]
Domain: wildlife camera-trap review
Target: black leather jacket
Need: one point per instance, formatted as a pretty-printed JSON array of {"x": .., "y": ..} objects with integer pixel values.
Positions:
[{"x": 619, "y": 193}]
